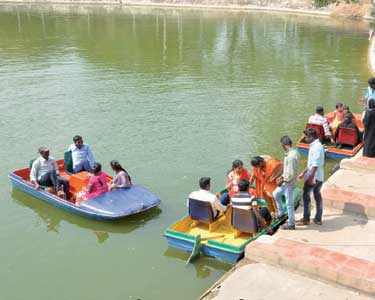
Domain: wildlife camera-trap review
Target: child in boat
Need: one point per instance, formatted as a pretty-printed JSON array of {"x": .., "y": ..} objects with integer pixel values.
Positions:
[
  {"x": 122, "y": 178},
  {"x": 97, "y": 185},
  {"x": 338, "y": 117}
]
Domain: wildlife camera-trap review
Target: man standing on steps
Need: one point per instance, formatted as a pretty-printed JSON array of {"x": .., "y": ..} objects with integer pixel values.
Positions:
[
  {"x": 287, "y": 183},
  {"x": 313, "y": 176}
]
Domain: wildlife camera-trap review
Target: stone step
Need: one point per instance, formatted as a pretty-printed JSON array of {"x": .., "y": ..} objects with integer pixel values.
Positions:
[
  {"x": 359, "y": 163},
  {"x": 251, "y": 280},
  {"x": 351, "y": 191},
  {"x": 349, "y": 201},
  {"x": 314, "y": 261}
]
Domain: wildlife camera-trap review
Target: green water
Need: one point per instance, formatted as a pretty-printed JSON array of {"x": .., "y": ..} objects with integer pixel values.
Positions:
[{"x": 172, "y": 94}]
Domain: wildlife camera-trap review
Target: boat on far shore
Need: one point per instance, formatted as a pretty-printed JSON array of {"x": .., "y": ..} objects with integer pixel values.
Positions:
[
  {"x": 347, "y": 145},
  {"x": 111, "y": 205}
]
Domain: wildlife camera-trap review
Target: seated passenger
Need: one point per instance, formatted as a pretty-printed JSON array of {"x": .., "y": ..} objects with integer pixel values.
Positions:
[
  {"x": 97, "y": 185},
  {"x": 234, "y": 175},
  {"x": 122, "y": 178},
  {"x": 44, "y": 171},
  {"x": 319, "y": 119},
  {"x": 204, "y": 194},
  {"x": 339, "y": 114},
  {"x": 82, "y": 157},
  {"x": 348, "y": 123},
  {"x": 338, "y": 117},
  {"x": 244, "y": 200},
  {"x": 346, "y": 110}
]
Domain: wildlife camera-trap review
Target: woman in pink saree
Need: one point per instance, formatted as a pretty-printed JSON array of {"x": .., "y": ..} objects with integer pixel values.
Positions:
[{"x": 97, "y": 185}]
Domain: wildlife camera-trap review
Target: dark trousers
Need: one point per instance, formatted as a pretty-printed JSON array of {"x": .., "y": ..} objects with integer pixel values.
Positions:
[
  {"x": 265, "y": 213},
  {"x": 307, "y": 189},
  {"x": 52, "y": 179},
  {"x": 224, "y": 199}
]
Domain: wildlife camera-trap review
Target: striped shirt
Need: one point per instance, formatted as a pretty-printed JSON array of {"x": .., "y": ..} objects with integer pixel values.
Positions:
[
  {"x": 242, "y": 200},
  {"x": 321, "y": 120}
]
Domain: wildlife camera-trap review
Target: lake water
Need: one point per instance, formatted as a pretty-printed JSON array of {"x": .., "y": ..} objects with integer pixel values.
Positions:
[{"x": 173, "y": 94}]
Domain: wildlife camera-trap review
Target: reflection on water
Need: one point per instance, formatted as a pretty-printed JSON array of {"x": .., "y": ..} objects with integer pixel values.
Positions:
[
  {"x": 173, "y": 95},
  {"x": 203, "y": 266},
  {"x": 52, "y": 217}
]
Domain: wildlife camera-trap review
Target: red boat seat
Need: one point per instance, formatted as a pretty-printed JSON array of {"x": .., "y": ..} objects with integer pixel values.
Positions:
[
  {"x": 318, "y": 128},
  {"x": 347, "y": 136}
]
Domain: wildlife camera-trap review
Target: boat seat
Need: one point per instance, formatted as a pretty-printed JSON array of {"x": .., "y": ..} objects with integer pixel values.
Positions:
[
  {"x": 318, "y": 128},
  {"x": 244, "y": 220},
  {"x": 68, "y": 162},
  {"x": 347, "y": 136},
  {"x": 202, "y": 212}
]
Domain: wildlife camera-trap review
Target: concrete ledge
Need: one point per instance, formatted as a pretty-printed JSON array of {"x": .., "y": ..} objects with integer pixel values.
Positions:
[
  {"x": 349, "y": 201},
  {"x": 359, "y": 163},
  {"x": 319, "y": 262},
  {"x": 257, "y": 281}
]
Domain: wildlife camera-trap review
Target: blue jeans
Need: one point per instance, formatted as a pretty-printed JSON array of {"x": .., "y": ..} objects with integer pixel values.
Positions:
[
  {"x": 287, "y": 190},
  {"x": 83, "y": 166},
  {"x": 224, "y": 199},
  {"x": 307, "y": 189}
]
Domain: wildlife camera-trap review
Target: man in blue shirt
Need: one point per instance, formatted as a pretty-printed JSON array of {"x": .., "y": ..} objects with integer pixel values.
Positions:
[
  {"x": 370, "y": 93},
  {"x": 313, "y": 176},
  {"x": 83, "y": 159}
]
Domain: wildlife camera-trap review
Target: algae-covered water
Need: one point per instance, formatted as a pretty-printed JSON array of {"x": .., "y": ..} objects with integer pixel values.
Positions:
[{"x": 174, "y": 95}]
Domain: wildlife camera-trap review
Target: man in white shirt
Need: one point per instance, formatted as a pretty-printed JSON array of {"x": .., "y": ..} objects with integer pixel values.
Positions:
[
  {"x": 319, "y": 119},
  {"x": 82, "y": 157},
  {"x": 313, "y": 176},
  {"x": 45, "y": 171},
  {"x": 204, "y": 194}
]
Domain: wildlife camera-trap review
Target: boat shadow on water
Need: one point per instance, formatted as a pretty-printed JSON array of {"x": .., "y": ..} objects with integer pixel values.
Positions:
[{"x": 52, "y": 217}]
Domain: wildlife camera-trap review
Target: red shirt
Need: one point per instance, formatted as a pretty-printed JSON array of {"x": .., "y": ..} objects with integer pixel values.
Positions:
[{"x": 234, "y": 179}]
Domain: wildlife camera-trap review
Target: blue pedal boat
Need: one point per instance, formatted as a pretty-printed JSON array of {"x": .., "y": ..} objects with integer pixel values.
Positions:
[{"x": 111, "y": 205}]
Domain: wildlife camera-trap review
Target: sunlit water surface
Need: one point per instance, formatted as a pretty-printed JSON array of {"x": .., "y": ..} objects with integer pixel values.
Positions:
[{"x": 172, "y": 94}]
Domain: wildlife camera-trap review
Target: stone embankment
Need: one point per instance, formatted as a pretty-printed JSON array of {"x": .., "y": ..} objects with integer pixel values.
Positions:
[{"x": 332, "y": 261}]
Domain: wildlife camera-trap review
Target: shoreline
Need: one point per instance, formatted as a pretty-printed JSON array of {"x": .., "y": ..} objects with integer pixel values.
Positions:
[{"x": 228, "y": 6}]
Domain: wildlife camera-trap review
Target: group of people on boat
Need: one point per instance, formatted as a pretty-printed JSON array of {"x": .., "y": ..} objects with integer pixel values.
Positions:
[
  {"x": 45, "y": 172},
  {"x": 342, "y": 118},
  {"x": 272, "y": 179}
]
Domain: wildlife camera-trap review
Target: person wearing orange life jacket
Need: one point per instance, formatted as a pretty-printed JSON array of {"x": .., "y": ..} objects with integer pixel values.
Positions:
[{"x": 266, "y": 170}]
